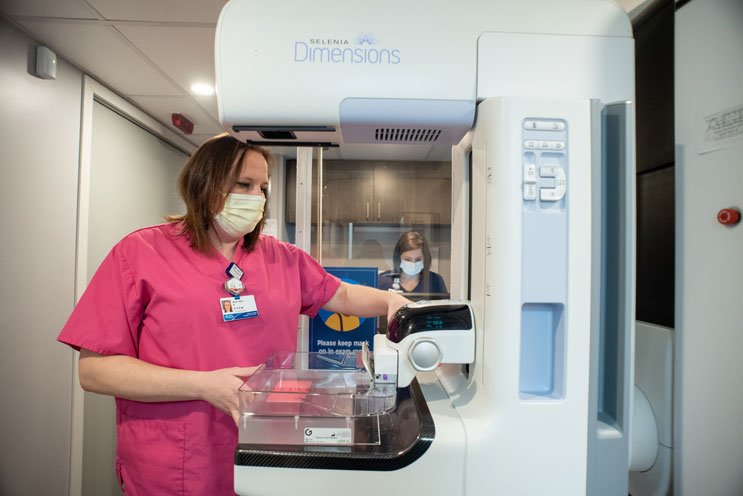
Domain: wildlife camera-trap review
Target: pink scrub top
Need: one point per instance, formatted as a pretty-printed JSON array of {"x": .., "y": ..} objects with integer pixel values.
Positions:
[{"x": 156, "y": 299}]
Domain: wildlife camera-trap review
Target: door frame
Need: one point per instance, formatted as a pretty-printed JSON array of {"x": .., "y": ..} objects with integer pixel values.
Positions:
[{"x": 93, "y": 91}]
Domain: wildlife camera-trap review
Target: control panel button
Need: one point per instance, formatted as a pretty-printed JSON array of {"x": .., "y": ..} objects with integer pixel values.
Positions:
[
  {"x": 548, "y": 194},
  {"x": 558, "y": 192},
  {"x": 544, "y": 145},
  {"x": 530, "y": 173},
  {"x": 425, "y": 354},
  {"x": 544, "y": 125},
  {"x": 549, "y": 170},
  {"x": 728, "y": 216},
  {"x": 530, "y": 191}
]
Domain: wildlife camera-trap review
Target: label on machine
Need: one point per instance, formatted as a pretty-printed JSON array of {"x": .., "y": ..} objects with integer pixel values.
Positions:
[{"x": 327, "y": 435}]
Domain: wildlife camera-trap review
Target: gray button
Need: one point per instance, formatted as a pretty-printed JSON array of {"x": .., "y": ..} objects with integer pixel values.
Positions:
[{"x": 425, "y": 354}]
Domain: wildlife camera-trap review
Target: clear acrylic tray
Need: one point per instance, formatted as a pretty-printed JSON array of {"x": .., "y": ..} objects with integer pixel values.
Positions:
[{"x": 309, "y": 398}]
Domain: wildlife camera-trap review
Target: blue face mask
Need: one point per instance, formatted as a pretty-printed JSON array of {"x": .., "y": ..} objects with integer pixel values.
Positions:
[{"x": 411, "y": 268}]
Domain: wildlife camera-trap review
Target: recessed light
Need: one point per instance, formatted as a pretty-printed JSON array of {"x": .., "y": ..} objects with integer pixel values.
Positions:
[{"x": 202, "y": 89}]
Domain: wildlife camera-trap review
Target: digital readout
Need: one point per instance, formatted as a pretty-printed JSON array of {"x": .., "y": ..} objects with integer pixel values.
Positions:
[
  {"x": 434, "y": 322},
  {"x": 439, "y": 322}
]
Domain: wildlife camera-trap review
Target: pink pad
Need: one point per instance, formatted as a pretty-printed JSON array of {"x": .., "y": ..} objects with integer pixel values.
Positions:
[{"x": 280, "y": 395}]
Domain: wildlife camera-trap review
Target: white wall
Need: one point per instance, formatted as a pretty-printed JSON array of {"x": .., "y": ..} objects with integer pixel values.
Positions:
[
  {"x": 76, "y": 177},
  {"x": 39, "y": 141},
  {"x": 709, "y": 266}
]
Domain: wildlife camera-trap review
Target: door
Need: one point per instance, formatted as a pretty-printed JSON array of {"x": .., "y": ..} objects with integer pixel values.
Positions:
[
  {"x": 709, "y": 268},
  {"x": 132, "y": 184}
]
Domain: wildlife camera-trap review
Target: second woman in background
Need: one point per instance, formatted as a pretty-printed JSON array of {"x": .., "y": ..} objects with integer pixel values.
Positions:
[{"x": 411, "y": 268}]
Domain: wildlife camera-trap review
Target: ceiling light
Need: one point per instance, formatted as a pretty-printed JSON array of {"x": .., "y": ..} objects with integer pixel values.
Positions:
[{"x": 202, "y": 89}]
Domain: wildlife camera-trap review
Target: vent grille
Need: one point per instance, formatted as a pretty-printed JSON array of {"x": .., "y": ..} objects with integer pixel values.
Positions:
[{"x": 407, "y": 135}]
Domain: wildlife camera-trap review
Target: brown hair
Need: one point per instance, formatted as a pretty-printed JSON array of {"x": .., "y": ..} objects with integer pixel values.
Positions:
[
  {"x": 412, "y": 240},
  {"x": 207, "y": 175}
]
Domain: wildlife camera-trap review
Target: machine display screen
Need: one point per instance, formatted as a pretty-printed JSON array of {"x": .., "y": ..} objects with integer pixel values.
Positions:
[
  {"x": 434, "y": 322},
  {"x": 440, "y": 322},
  {"x": 444, "y": 317}
]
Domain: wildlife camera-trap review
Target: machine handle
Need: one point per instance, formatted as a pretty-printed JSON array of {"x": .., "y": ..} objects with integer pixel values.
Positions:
[
  {"x": 617, "y": 266},
  {"x": 379, "y": 211},
  {"x": 367, "y": 210}
]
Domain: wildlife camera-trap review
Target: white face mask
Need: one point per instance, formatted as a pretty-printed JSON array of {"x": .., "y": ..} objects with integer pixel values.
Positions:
[
  {"x": 241, "y": 213},
  {"x": 411, "y": 268}
]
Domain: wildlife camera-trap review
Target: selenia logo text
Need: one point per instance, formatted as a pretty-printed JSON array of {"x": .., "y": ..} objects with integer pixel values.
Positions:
[{"x": 340, "y": 51}]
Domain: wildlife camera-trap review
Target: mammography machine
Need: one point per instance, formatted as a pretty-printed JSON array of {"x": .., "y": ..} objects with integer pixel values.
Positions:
[{"x": 523, "y": 387}]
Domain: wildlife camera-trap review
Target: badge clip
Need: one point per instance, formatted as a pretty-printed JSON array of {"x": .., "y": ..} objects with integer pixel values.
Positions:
[{"x": 234, "y": 286}]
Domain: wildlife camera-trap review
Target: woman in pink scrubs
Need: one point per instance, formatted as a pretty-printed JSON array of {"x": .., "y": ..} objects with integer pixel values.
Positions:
[{"x": 152, "y": 329}]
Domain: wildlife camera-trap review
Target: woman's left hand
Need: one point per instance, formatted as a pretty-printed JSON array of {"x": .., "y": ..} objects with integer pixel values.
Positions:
[{"x": 396, "y": 302}]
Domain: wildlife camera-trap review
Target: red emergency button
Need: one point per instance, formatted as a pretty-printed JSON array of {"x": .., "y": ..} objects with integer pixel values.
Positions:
[{"x": 728, "y": 216}]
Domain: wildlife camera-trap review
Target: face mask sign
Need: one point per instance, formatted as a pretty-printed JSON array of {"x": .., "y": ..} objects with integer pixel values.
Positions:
[
  {"x": 241, "y": 213},
  {"x": 411, "y": 268}
]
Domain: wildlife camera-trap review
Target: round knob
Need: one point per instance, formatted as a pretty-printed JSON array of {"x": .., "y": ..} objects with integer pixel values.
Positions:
[
  {"x": 728, "y": 216},
  {"x": 425, "y": 354}
]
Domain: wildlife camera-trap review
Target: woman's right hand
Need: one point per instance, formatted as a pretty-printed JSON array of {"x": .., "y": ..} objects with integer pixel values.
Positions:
[
  {"x": 219, "y": 388},
  {"x": 133, "y": 379}
]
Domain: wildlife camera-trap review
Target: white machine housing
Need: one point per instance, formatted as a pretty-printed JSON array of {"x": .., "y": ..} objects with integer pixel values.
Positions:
[
  {"x": 398, "y": 362},
  {"x": 342, "y": 73},
  {"x": 548, "y": 167}
]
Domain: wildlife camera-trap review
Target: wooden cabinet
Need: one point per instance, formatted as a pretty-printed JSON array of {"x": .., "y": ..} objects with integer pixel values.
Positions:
[
  {"x": 348, "y": 192},
  {"x": 375, "y": 192},
  {"x": 413, "y": 192}
]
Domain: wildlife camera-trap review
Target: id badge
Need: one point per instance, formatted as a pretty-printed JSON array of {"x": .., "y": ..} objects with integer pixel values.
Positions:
[{"x": 238, "y": 308}]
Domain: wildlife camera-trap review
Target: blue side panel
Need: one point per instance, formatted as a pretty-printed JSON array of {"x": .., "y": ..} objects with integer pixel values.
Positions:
[
  {"x": 544, "y": 163},
  {"x": 541, "y": 334}
]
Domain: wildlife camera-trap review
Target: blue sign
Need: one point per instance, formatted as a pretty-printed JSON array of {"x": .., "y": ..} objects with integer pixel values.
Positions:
[{"x": 333, "y": 334}]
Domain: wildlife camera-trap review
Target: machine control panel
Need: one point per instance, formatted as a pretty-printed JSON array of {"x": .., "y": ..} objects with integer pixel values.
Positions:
[
  {"x": 429, "y": 316},
  {"x": 544, "y": 158},
  {"x": 544, "y": 125}
]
